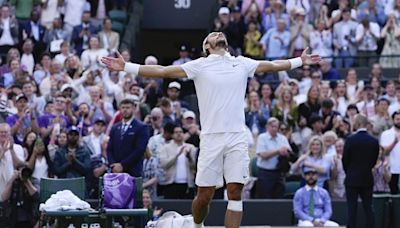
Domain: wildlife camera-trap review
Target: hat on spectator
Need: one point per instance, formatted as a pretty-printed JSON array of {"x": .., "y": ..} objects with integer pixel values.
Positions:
[
  {"x": 175, "y": 85},
  {"x": 21, "y": 96},
  {"x": 300, "y": 11},
  {"x": 189, "y": 114},
  {"x": 292, "y": 80},
  {"x": 236, "y": 9},
  {"x": 132, "y": 97},
  {"x": 100, "y": 120},
  {"x": 223, "y": 10},
  {"x": 308, "y": 170},
  {"x": 183, "y": 48},
  {"x": 74, "y": 129},
  {"x": 66, "y": 86}
]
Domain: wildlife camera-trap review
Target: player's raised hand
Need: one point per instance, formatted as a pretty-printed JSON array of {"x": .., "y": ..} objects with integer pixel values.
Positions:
[
  {"x": 309, "y": 59},
  {"x": 112, "y": 63}
]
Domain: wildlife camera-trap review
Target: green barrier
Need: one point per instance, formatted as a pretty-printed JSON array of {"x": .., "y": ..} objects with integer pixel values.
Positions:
[
  {"x": 396, "y": 210},
  {"x": 379, "y": 204}
]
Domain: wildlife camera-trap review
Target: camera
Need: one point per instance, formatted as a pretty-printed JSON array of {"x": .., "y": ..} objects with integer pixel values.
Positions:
[{"x": 26, "y": 173}]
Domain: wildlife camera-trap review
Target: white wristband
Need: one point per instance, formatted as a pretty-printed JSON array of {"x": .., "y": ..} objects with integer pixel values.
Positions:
[
  {"x": 295, "y": 62},
  {"x": 132, "y": 68}
]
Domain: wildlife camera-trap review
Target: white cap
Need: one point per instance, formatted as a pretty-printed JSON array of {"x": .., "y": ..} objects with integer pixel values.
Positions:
[
  {"x": 174, "y": 85},
  {"x": 189, "y": 114},
  {"x": 66, "y": 86},
  {"x": 223, "y": 10},
  {"x": 132, "y": 97}
]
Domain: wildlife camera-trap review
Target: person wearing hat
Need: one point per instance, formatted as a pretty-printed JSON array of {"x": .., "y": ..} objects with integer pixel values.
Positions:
[
  {"x": 299, "y": 33},
  {"x": 312, "y": 204},
  {"x": 23, "y": 121},
  {"x": 190, "y": 128},
  {"x": 220, "y": 81},
  {"x": 178, "y": 106},
  {"x": 273, "y": 13},
  {"x": 221, "y": 23},
  {"x": 73, "y": 160},
  {"x": 183, "y": 56}
]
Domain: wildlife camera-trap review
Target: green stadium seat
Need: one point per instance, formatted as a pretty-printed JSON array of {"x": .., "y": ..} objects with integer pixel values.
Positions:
[
  {"x": 49, "y": 186},
  {"x": 118, "y": 27},
  {"x": 118, "y": 15},
  {"x": 396, "y": 210},
  {"x": 291, "y": 188},
  {"x": 253, "y": 167},
  {"x": 379, "y": 204}
]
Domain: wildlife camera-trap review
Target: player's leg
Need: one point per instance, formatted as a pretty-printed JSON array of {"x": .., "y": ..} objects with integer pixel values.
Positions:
[
  {"x": 201, "y": 204},
  {"x": 233, "y": 215},
  {"x": 236, "y": 173}
]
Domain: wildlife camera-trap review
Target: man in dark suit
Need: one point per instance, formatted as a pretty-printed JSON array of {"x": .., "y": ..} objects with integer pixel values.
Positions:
[
  {"x": 361, "y": 151},
  {"x": 81, "y": 33},
  {"x": 36, "y": 32},
  {"x": 128, "y": 142}
]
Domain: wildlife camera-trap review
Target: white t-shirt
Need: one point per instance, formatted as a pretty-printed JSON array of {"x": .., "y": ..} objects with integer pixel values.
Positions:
[
  {"x": 387, "y": 138},
  {"x": 221, "y": 83},
  {"x": 7, "y": 168},
  {"x": 181, "y": 169},
  {"x": 41, "y": 168}
]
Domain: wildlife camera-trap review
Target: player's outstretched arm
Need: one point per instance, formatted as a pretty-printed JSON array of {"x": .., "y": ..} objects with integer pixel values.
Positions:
[
  {"x": 289, "y": 64},
  {"x": 154, "y": 71}
]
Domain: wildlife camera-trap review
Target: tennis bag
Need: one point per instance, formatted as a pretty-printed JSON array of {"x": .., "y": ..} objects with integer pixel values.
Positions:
[
  {"x": 172, "y": 219},
  {"x": 118, "y": 191}
]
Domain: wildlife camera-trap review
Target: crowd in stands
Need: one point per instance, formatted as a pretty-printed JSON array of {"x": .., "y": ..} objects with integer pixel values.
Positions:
[{"x": 64, "y": 115}]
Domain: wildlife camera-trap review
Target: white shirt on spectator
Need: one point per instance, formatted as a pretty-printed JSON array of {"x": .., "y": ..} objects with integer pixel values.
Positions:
[
  {"x": 181, "y": 169},
  {"x": 366, "y": 108},
  {"x": 393, "y": 107},
  {"x": 387, "y": 138},
  {"x": 265, "y": 142},
  {"x": 353, "y": 13},
  {"x": 41, "y": 168},
  {"x": 61, "y": 57},
  {"x": 343, "y": 29},
  {"x": 35, "y": 30},
  {"x": 91, "y": 57},
  {"x": 304, "y": 85},
  {"x": 368, "y": 40},
  {"x": 28, "y": 61},
  {"x": 6, "y": 38},
  {"x": 321, "y": 43},
  {"x": 294, "y": 4},
  {"x": 73, "y": 11},
  {"x": 49, "y": 13},
  {"x": 7, "y": 167}
]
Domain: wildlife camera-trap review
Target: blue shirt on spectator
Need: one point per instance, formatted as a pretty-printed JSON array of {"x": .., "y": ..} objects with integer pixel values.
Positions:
[
  {"x": 322, "y": 204},
  {"x": 322, "y": 161},
  {"x": 275, "y": 47}
]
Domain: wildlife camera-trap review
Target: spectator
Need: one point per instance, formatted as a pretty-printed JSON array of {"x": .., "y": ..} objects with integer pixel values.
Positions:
[
  {"x": 320, "y": 13},
  {"x": 23, "y": 8},
  {"x": 312, "y": 106},
  {"x": 134, "y": 135},
  {"x": 49, "y": 12},
  {"x": 273, "y": 13},
  {"x": 236, "y": 31},
  {"x": 251, "y": 9},
  {"x": 191, "y": 129},
  {"x": 390, "y": 32},
  {"x": 329, "y": 139},
  {"x": 252, "y": 47},
  {"x": 270, "y": 146},
  {"x": 340, "y": 98},
  {"x": 367, "y": 36},
  {"x": 359, "y": 157},
  {"x": 389, "y": 141},
  {"x": 390, "y": 90},
  {"x": 353, "y": 86},
  {"x": 35, "y": 103},
  {"x": 43, "y": 70},
  {"x": 329, "y": 73},
  {"x": 95, "y": 139},
  {"x": 27, "y": 58},
  {"x": 377, "y": 89},
  {"x": 154, "y": 213},
  {"x": 34, "y": 31},
  {"x": 315, "y": 158},
  {"x": 292, "y": 6},
  {"x": 381, "y": 120},
  {"x": 178, "y": 106},
  {"x": 168, "y": 113},
  {"x": 9, "y": 32},
  {"x": 321, "y": 40},
  {"x": 57, "y": 142},
  {"x": 28, "y": 141},
  {"x": 11, "y": 77},
  {"x": 285, "y": 130},
  {"x": 312, "y": 204},
  {"x": 55, "y": 121},
  {"x": 82, "y": 32},
  {"x": 254, "y": 118},
  {"x": 396, "y": 105},
  {"x": 316, "y": 77},
  {"x": 344, "y": 40},
  {"x": 23, "y": 121},
  {"x": 73, "y": 12},
  {"x": 73, "y": 160},
  {"x": 155, "y": 121},
  {"x": 90, "y": 57},
  {"x": 39, "y": 162},
  {"x": 152, "y": 173},
  {"x": 266, "y": 102},
  {"x": 221, "y": 23},
  {"x": 109, "y": 39},
  {"x": 55, "y": 37},
  {"x": 343, "y": 6},
  {"x": 184, "y": 56},
  {"x": 13, "y": 53},
  {"x": 325, "y": 88},
  {"x": 84, "y": 117},
  {"x": 286, "y": 110},
  {"x": 178, "y": 159},
  {"x": 371, "y": 10},
  {"x": 299, "y": 33},
  {"x": 276, "y": 41},
  {"x": 336, "y": 186},
  {"x": 382, "y": 175},
  {"x": 329, "y": 116},
  {"x": 65, "y": 52},
  {"x": 101, "y": 109},
  {"x": 366, "y": 104}
]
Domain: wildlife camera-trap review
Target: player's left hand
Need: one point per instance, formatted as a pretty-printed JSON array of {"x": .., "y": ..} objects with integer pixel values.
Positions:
[{"x": 309, "y": 59}]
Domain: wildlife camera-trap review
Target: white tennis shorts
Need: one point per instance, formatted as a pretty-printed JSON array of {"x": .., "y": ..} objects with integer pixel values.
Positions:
[{"x": 222, "y": 155}]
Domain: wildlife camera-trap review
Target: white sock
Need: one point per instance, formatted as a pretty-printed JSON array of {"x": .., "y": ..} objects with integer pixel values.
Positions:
[{"x": 201, "y": 225}]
